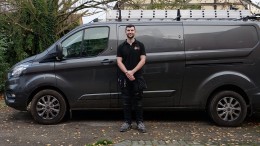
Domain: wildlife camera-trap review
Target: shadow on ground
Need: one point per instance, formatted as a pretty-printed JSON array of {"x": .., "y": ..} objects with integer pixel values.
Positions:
[
  {"x": 174, "y": 116},
  {"x": 170, "y": 116}
]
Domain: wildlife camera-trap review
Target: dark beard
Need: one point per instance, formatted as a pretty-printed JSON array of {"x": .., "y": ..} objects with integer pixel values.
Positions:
[{"x": 130, "y": 37}]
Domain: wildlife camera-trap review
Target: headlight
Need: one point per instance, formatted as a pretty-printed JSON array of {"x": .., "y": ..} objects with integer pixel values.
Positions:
[{"x": 18, "y": 70}]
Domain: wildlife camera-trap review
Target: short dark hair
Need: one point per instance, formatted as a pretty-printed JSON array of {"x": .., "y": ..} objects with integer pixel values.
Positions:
[{"x": 129, "y": 25}]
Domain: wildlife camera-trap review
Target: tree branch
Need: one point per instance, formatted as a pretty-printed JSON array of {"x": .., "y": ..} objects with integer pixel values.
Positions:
[
  {"x": 85, "y": 5},
  {"x": 12, "y": 21}
]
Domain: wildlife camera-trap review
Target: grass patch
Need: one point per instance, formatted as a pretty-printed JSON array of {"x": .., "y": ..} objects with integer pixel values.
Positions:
[{"x": 101, "y": 143}]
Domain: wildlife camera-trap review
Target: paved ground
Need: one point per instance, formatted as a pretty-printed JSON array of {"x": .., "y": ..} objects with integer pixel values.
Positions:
[{"x": 86, "y": 127}]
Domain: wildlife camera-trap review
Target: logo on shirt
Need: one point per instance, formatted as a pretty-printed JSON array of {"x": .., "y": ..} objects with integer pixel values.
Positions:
[{"x": 137, "y": 48}]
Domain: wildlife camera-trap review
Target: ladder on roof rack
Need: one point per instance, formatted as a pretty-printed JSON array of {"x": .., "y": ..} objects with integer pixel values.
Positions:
[{"x": 166, "y": 15}]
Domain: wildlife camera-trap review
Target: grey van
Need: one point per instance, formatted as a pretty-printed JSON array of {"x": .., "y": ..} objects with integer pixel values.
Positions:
[{"x": 202, "y": 65}]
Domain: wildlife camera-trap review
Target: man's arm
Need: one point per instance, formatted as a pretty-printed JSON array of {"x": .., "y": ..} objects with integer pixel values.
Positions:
[
  {"x": 138, "y": 66},
  {"x": 123, "y": 68},
  {"x": 120, "y": 64}
]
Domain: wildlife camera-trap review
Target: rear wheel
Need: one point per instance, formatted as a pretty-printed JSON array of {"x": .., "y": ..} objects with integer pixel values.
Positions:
[
  {"x": 227, "y": 108},
  {"x": 48, "y": 107}
]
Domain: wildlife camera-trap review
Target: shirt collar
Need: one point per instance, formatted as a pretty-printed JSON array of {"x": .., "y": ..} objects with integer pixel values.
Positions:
[{"x": 133, "y": 42}]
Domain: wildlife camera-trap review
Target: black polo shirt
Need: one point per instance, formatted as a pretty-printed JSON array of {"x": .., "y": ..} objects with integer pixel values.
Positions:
[{"x": 131, "y": 55}]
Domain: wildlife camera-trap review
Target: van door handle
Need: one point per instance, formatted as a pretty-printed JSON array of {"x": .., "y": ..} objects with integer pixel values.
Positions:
[{"x": 106, "y": 61}]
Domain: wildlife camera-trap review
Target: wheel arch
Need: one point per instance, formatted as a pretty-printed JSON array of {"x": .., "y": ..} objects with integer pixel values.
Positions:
[
  {"x": 35, "y": 91},
  {"x": 224, "y": 80},
  {"x": 229, "y": 87}
]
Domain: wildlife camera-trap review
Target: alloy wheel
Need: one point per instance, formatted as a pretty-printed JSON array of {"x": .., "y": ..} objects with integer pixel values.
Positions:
[
  {"x": 48, "y": 107},
  {"x": 228, "y": 109}
]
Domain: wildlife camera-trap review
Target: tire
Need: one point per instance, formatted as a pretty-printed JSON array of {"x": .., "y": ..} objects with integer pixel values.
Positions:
[
  {"x": 48, "y": 107},
  {"x": 227, "y": 108}
]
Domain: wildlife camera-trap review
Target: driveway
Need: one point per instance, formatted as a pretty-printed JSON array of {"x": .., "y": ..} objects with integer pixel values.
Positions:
[{"x": 86, "y": 127}]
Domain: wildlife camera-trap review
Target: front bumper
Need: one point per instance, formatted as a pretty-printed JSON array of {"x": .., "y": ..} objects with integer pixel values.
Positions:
[{"x": 15, "y": 95}]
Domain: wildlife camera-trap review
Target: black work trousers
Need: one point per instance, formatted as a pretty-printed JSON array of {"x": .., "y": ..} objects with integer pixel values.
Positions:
[{"x": 132, "y": 99}]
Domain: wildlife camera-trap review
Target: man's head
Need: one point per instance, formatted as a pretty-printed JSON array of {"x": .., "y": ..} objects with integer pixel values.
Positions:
[{"x": 130, "y": 31}]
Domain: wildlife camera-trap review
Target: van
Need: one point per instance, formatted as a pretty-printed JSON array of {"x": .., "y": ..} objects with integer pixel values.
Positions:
[{"x": 191, "y": 65}]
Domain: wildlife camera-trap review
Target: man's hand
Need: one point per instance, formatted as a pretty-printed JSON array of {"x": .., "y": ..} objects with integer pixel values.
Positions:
[{"x": 130, "y": 75}]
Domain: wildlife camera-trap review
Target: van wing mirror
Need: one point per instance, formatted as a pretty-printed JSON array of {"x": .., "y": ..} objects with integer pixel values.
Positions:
[{"x": 59, "y": 54}]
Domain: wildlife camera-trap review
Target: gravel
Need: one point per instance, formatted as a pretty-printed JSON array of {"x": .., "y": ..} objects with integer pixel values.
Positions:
[{"x": 87, "y": 127}]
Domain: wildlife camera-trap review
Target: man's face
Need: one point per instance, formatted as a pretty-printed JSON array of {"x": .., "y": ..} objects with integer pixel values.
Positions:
[{"x": 130, "y": 32}]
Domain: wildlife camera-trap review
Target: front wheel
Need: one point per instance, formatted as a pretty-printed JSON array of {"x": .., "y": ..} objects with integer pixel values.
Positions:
[
  {"x": 227, "y": 108},
  {"x": 48, "y": 107}
]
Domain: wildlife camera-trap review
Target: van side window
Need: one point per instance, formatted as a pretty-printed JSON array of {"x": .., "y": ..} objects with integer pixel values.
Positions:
[
  {"x": 157, "y": 38},
  {"x": 72, "y": 45},
  {"x": 220, "y": 37},
  {"x": 95, "y": 41}
]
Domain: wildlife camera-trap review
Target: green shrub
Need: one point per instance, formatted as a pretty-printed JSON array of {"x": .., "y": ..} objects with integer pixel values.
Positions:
[
  {"x": 4, "y": 66},
  {"x": 101, "y": 143}
]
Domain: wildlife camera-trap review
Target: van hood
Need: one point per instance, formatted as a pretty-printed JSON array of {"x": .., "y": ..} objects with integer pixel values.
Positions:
[
  {"x": 29, "y": 60},
  {"x": 32, "y": 58}
]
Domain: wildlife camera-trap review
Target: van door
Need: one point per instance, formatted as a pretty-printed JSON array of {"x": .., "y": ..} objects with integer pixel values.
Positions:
[
  {"x": 84, "y": 74},
  {"x": 164, "y": 67}
]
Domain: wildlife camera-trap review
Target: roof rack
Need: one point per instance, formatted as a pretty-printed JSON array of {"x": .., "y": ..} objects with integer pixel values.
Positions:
[
  {"x": 253, "y": 17},
  {"x": 169, "y": 15}
]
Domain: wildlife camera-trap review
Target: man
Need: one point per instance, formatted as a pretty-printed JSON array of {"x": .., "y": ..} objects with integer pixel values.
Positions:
[{"x": 131, "y": 58}]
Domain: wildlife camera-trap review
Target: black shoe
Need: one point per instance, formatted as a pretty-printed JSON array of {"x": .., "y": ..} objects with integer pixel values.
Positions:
[
  {"x": 125, "y": 127},
  {"x": 141, "y": 127}
]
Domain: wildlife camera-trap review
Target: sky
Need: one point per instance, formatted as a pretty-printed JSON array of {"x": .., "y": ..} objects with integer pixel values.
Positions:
[
  {"x": 88, "y": 19},
  {"x": 255, "y": 1}
]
